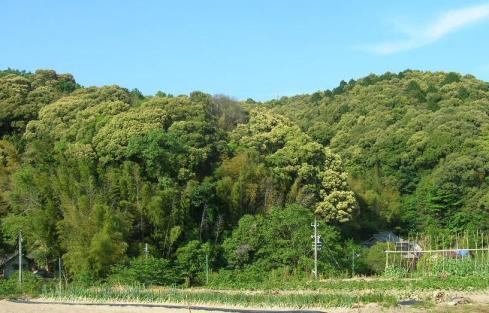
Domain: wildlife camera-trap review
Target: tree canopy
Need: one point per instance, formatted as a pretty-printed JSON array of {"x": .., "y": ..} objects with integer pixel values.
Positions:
[{"x": 93, "y": 174}]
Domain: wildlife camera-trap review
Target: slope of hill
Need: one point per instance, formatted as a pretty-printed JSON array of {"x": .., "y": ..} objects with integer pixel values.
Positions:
[
  {"x": 96, "y": 173},
  {"x": 415, "y": 144}
]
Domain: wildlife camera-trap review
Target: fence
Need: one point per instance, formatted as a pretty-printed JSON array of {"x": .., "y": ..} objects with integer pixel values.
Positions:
[{"x": 459, "y": 254}]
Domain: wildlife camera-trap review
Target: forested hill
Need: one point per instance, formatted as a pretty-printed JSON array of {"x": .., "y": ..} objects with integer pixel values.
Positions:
[
  {"x": 415, "y": 144},
  {"x": 93, "y": 174}
]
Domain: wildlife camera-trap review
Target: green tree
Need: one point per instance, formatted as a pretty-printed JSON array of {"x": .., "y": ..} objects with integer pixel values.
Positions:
[{"x": 282, "y": 239}]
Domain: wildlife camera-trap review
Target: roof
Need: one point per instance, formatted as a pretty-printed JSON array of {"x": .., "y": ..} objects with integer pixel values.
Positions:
[
  {"x": 385, "y": 236},
  {"x": 409, "y": 249},
  {"x": 12, "y": 256}
]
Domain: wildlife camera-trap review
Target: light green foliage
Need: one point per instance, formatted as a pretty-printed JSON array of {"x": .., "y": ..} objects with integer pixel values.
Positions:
[
  {"x": 10, "y": 288},
  {"x": 191, "y": 260},
  {"x": 22, "y": 95},
  {"x": 188, "y": 144},
  {"x": 338, "y": 202},
  {"x": 91, "y": 231},
  {"x": 9, "y": 163},
  {"x": 73, "y": 121},
  {"x": 300, "y": 167},
  {"x": 376, "y": 257},
  {"x": 33, "y": 212},
  {"x": 112, "y": 139},
  {"x": 186, "y": 297},
  {"x": 377, "y": 262},
  {"x": 94, "y": 174},
  {"x": 395, "y": 133},
  {"x": 281, "y": 239},
  {"x": 242, "y": 184},
  {"x": 144, "y": 270}
]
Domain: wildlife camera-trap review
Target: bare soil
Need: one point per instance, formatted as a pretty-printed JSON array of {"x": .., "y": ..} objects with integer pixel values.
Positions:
[{"x": 34, "y": 306}]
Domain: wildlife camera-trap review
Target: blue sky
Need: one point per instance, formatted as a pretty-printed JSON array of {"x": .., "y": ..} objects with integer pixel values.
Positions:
[{"x": 242, "y": 48}]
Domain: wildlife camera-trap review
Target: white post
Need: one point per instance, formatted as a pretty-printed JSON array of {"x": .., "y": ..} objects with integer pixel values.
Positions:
[
  {"x": 207, "y": 268},
  {"x": 59, "y": 272},
  {"x": 353, "y": 263},
  {"x": 315, "y": 249},
  {"x": 315, "y": 246},
  {"x": 20, "y": 257}
]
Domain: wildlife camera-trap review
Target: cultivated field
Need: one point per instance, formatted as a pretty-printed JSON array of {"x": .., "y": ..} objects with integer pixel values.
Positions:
[{"x": 429, "y": 294}]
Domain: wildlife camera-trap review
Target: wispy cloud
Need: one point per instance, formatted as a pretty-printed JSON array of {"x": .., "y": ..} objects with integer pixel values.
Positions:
[{"x": 444, "y": 24}]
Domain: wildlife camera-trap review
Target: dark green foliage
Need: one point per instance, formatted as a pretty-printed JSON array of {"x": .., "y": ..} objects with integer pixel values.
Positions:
[
  {"x": 94, "y": 174},
  {"x": 10, "y": 288},
  {"x": 145, "y": 270},
  {"x": 451, "y": 78},
  {"x": 229, "y": 112},
  {"x": 281, "y": 239},
  {"x": 191, "y": 260},
  {"x": 400, "y": 134},
  {"x": 376, "y": 259},
  {"x": 414, "y": 90}
]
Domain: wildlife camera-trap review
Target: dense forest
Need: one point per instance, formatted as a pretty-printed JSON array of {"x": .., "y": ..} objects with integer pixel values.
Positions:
[{"x": 94, "y": 174}]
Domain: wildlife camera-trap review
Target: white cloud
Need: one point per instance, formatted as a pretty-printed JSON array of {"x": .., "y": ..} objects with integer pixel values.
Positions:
[{"x": 446, "y": 23}]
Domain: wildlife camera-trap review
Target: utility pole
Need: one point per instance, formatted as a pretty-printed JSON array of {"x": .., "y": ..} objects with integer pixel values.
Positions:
[
  {"x": 59, "y": 272},
  {"x": 20, "y": 257},
  {"x": 207, "y": 268},
  {"x": 353, "y": 256},
  {"x": 316, "y": 246},
  {"x": 353, "y": 263}
]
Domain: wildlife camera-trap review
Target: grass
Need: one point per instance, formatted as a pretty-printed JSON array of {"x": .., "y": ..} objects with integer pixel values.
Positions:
[
  {"x": 11, "y": 289},
  {"x": 427, "y": 283},
  {"x": 273, "y": 291},
  {"x": 454, "y": 283},
  {"x": 144, "y": 295}
]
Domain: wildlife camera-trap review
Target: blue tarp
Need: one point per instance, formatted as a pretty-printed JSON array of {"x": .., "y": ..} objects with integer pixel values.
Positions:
[{"x": 462, "y": 252}]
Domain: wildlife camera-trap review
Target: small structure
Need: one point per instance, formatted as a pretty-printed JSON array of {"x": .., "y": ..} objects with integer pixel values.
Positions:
[
  {"x": 10, "y": 264},
  {"x": 385, "y": 236},
  {"x": 407, "y": 248}
]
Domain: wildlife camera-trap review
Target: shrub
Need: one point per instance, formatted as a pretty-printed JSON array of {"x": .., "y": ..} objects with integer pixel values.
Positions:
[
  {"x": 376, "y": 257},
  {"x": 282, "y": 238},
  {"x": 84, "y": 279},
  {"x": 191, "y": 260},
  {"x": 148, "y": 271},
  {"x": 376, "y": 260},
  {"x": 10, "y": 288},
  {"x": 253, "y": 277}
]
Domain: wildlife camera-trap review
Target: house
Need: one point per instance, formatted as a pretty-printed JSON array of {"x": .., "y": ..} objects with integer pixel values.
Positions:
[
  {"x": 10, "y": 264},
  {"x": 408, "y": 249},
  {"x": 385, "y": 236}
]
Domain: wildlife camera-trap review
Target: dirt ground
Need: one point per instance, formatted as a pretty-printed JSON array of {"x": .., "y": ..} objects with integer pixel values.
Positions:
[
  {"x": 53, "y": 307},
  {"x": 46, "y": 307}
]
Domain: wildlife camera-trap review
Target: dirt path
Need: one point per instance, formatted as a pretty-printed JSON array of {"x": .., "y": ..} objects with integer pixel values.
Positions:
[
  {"x": 53, "y": 307},
  {"x": 36, "y": 306}
]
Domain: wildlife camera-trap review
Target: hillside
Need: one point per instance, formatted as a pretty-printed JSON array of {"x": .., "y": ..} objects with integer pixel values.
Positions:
[
  {"x": 415, "y": 145},
  {"x": 96, "y": 173}
]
